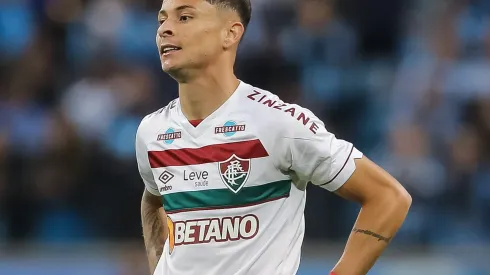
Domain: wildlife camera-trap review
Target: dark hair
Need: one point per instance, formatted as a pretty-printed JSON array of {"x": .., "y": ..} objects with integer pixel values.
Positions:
[{"x": 242, "y": 7}]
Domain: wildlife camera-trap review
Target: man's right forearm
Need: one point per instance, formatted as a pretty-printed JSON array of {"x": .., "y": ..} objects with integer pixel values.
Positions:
[{"x": 154, "y": 228}]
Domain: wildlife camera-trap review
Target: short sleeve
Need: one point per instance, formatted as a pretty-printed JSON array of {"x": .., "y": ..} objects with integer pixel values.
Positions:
[
  {"x": 144, "y": 164},
  {"x": 316, "y": 155}
]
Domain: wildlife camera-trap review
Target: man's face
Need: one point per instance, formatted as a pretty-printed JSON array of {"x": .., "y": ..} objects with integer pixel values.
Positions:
[{"x": 190, "y": 34}]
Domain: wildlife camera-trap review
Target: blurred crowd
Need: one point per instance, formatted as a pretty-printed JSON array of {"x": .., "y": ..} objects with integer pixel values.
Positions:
[{"x": 407, "y": 81}]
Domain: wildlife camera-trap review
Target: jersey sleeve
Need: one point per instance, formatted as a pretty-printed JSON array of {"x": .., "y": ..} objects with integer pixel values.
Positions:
[
  {"x": 315, "y": 155},
  {"x": 144, "y": 164}
]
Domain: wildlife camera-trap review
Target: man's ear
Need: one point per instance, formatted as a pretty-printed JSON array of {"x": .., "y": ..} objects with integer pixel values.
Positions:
[{"x": 234, "y": 34}]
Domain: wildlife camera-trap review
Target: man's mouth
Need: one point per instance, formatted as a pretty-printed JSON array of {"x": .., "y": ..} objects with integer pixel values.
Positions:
[{"x": 168, "y": 49}]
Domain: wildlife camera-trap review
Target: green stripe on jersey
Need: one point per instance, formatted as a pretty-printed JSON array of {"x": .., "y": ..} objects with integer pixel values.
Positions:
[{"x": 224, "y": 198}]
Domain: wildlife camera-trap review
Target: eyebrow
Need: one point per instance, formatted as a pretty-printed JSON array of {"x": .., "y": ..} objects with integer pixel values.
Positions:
[{"x": 179, "y": 8}]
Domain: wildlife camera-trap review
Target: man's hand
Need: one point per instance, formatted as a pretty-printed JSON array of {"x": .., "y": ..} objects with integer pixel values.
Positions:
[
  {"x": 385, "y": 204},
  {"x": 155, "y": 229}
]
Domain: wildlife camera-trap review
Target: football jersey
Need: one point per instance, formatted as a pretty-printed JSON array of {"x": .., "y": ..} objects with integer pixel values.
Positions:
[{"x": 233, "y": 187}]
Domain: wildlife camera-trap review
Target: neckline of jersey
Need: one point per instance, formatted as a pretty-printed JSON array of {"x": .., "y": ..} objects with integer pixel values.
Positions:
[
  {"x": 196, "y": 131},
  {"x": 195, "y": 122}
]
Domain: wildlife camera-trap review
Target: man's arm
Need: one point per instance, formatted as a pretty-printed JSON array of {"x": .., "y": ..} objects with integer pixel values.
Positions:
[
  {"x": 153, "y": 216},
  {"x": 155, "y": 230},
  {"x": 313, "y": 154},
  {"x": 385, "y": 204}
]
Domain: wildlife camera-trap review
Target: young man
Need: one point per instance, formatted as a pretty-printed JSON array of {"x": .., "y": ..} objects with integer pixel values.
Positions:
[{"x": 231, "y": 162}]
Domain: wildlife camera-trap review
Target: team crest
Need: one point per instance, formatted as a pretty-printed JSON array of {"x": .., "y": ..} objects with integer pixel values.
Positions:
[{"x": 234, "y": 172}]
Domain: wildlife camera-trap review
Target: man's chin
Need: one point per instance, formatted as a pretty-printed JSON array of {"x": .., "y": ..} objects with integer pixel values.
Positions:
[
  {"x": 171, "y": 68},
  {"x": 176, "y": 72}
]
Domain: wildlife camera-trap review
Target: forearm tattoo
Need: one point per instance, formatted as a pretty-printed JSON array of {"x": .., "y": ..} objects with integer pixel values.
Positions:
[{"x": 372, "y": 234}]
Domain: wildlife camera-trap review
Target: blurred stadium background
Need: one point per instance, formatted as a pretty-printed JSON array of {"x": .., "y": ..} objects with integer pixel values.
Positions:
[{"x": 408, "y": 81}]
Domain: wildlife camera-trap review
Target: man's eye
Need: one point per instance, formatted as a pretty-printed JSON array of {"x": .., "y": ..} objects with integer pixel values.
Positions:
[
  {"x": 185, "y": 18},
  {"x": 161, "y": 21}
]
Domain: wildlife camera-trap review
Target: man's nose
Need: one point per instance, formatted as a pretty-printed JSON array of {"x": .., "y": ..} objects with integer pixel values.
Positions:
[{"x": 165, "y": 29}]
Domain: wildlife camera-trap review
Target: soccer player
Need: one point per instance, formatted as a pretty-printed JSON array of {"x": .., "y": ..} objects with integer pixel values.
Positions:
[{"x": 230, "y": 162}]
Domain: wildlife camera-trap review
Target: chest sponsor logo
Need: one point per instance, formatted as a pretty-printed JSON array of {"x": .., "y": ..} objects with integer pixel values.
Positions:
[
  {"x": 226, "y": 229},
  {"x": 170, "y": 135},
  {"x": 200, "y": 178},
  {"x": 229, "y": 128},
  {"x": 234, "y": 172}
]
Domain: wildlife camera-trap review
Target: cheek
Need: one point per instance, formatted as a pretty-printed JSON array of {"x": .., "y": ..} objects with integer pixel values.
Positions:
[
  {"x": 206, "y": 43},
  {"x": 214, "y": 40},
  {"x": 208, "y": 40}
]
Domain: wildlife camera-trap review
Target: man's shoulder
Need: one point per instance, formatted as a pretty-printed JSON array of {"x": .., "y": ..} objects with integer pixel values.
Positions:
[
  {"x": 270, "y": 111},
  {"x": 261, "y": 103},
  {"x": 158, "y": 117}
]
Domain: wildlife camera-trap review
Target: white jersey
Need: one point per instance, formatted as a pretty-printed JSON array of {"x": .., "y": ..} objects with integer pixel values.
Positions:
[{"x": 234, "y": 186}]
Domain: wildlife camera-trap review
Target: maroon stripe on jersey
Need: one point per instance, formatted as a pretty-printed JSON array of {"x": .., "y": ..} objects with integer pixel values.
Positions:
[
  {"x": 212, "y": 153},
  {"x": 341, "y": 169}
]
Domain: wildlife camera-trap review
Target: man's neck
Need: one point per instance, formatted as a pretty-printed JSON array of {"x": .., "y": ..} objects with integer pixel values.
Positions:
[{"x": 205, "y": 94}]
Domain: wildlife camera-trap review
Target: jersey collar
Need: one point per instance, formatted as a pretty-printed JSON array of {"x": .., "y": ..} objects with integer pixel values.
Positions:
[{"x": 207, "y": 123}]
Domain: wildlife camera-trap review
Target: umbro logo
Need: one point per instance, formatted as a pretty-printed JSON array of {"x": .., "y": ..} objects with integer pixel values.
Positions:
[{"x": 165, "y": 178}]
